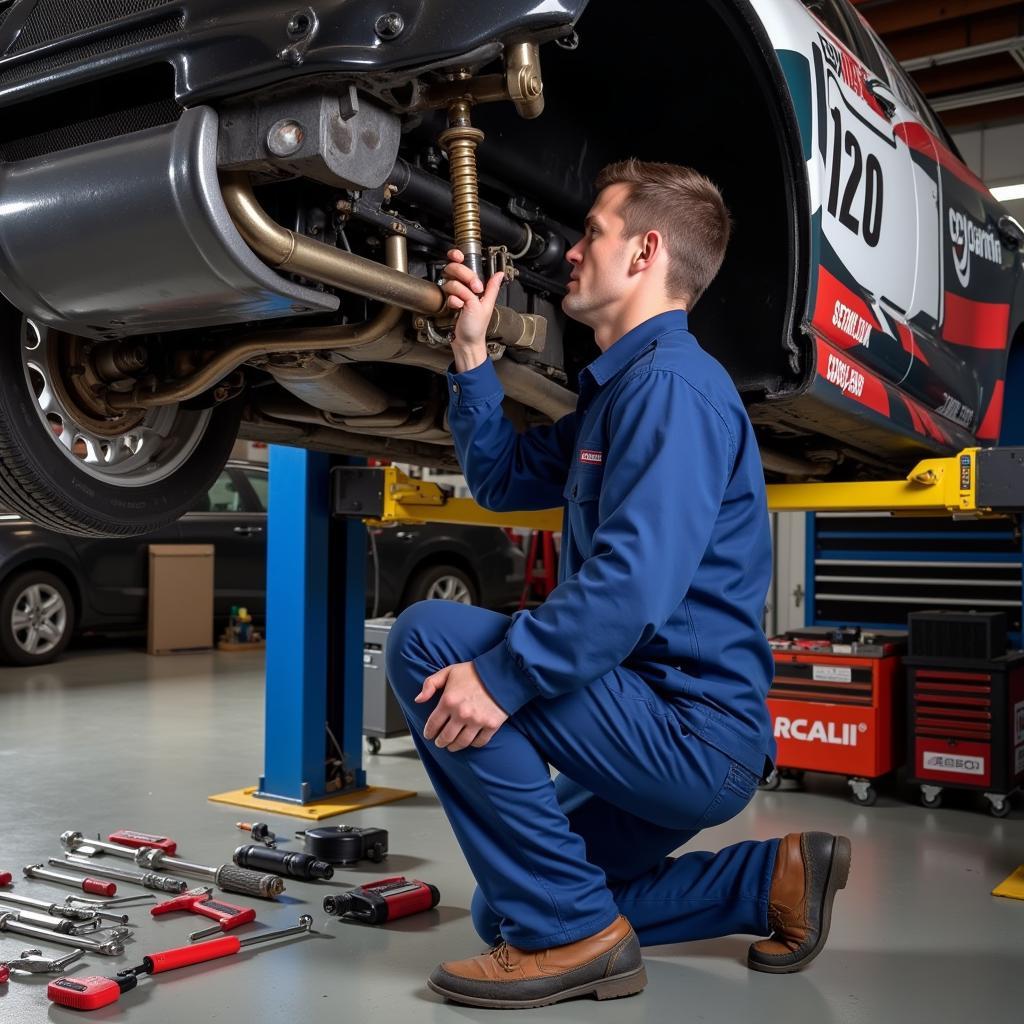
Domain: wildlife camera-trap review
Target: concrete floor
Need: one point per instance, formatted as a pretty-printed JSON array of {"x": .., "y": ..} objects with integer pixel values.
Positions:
[{"x": 105, "y": 740}]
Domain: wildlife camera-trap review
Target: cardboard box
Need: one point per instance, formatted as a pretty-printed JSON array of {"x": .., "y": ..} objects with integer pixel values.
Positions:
[{"x": 180, "y": 598}]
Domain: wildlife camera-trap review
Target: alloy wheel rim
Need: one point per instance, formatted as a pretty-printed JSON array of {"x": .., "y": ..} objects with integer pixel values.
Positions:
[
  {"x": 39, "y": 619},
  {"x": 148, "y": 448},
  {"x": 449, "y": 588}
]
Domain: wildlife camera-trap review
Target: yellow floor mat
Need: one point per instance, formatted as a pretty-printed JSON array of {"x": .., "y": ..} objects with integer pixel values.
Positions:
[
  {"x": 1013, "y": 887},
  {"x": 324, "y": 808}
]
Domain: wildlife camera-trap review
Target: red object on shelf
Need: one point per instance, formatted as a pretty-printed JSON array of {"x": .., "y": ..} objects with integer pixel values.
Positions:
[
  {"x": 837, "y": 713},
  {"x": 539, "y": 583}
]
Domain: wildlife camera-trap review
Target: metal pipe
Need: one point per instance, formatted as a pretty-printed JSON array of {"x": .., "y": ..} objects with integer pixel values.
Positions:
[
  {"x": 296, "y": 254},
  {"x": 148, "y": 880},
  {"x": 777, "y": 462}
]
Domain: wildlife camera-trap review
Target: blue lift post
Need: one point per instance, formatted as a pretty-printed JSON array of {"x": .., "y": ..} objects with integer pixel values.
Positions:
[{"x": 316, "y": 599}]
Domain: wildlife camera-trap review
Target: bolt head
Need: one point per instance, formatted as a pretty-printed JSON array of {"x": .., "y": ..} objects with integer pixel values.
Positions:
[
  {"x": 285, "y": 137},
  {"x": 389, "y": 26},
  {"x": 298, "y": 24}
]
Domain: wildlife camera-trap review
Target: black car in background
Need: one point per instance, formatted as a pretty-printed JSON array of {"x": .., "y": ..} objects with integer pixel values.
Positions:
[{"x": 53, "y": 586}]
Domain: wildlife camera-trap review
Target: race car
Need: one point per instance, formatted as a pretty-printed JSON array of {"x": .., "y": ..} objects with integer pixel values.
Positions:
[{"x": 223, "y": 219}]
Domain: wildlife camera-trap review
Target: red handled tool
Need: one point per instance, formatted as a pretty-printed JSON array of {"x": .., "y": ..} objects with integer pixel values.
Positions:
[
  {"x": 198, "y": 901},
  {"x": 126, "y": 837},
  {"x": 386, "y": 900},
  {"x": 5, "y": 877},
  {"x": 92, "y": 993},
  {"x": 94, "y": 885}
]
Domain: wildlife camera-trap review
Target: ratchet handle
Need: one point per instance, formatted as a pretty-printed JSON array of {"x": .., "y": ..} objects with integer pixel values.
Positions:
[{"x": 183, "y": 956}]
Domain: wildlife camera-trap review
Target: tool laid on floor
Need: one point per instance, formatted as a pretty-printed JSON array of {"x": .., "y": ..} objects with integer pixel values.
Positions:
[
  {"x": 88, "y": 884},
  {"x": 120, "y": 901},
  {"x": 291, "y": 865},
  {"x": 345, "y": 844},
  {"x": 260, "y": 831},
  {"x": 32, "y": 961},
  {"x": 65, "y": 910},
  {"x": 147, "y": 879},
  {"x": 92, "y": 993},
  {"x": 227, "y": 876},
  {"x": 197, "y": 901},
  {"x": 112, "y": 946},
  {"x": 126, "y": 837},
  {"x": 386, "y": 900},
  {"x": 5, "y": 878}
]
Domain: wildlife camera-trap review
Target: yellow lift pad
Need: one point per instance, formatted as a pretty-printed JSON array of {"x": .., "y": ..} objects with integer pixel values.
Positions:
[{"x": 326, "y": 807}]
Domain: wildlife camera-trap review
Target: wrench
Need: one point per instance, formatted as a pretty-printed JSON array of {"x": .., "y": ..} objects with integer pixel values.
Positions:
[
  {"x": 9, "y": 922},
  {"x": 32, "y": 961},
  {"x": 53, "y": 909},
  {"x": 149, "y": 880}
]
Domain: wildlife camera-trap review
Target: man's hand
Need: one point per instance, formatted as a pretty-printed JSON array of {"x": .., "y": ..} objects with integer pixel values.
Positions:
[
  {"x": 475, "y": 304},
  {"x": 465, "y": 715}
]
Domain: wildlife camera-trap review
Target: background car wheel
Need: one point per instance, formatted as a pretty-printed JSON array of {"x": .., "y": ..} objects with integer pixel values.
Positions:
[
  {"x": 37, "y": 616},
  {"x": 69, "y": 465},
  {"x": 442, "y": 583}
]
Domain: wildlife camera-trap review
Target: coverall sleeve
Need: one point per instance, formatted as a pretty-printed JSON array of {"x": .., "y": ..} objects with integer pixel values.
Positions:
[
  {"x": 507, "y": 471},
  {"x": 670, "y": 455}
]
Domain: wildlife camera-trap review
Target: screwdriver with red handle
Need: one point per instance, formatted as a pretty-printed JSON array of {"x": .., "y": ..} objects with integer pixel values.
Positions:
[{"x": 92, "y": 993}]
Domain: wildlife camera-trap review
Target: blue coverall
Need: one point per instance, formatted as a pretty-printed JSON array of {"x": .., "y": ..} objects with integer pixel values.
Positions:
[{"x": 642, "y": 677}]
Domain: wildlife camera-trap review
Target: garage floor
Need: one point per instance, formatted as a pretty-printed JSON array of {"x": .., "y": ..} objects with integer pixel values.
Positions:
[{"x": 106, "y": 740}]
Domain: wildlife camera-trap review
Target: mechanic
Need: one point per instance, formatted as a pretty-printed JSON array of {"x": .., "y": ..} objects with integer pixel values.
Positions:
[{"x": 642, "y": 678}]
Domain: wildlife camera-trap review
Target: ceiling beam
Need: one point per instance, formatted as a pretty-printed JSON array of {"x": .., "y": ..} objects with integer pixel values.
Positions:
[
  {"x": 965, "y": 53},
  {"x": 886, "y": 17},
  {"x": 977, "y": 97},
  {"x": 999, "y": 69},
  {"x": 1005, "y": 112}
]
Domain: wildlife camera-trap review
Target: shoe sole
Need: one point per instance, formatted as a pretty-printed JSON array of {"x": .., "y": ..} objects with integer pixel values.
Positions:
[
  {"x": 838, "y": 873},
  {"x": 615, "y": 987}
]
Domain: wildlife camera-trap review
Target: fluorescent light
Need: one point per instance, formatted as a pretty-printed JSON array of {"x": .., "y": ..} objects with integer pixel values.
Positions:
[{"x": 1004, "y": 193}]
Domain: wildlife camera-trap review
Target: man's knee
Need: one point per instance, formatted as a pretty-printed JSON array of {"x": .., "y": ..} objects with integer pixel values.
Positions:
[
  {"x": 485, "y": 920},
  {"x": 408, "y": 656}
]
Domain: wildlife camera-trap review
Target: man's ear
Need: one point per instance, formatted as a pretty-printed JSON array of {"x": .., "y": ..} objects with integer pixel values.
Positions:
[{"x": 650, "y": 245}]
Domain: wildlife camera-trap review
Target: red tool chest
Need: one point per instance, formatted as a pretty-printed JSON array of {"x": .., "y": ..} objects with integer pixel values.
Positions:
[
  {"x": 966, "y": 726},
  {"x": 837, "y": 707}
]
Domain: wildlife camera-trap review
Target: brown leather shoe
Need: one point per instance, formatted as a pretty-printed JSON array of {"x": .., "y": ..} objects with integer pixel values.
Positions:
[
  {"x": 606, "y": 965},
  {"x": 810, "y": 868}
]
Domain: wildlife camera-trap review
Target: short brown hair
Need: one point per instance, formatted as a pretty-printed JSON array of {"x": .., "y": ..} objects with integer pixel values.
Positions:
[{"x": 686, "y": 207}]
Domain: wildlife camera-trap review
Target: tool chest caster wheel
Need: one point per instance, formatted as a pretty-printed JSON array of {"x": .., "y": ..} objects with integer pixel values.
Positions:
[
  {"x": 931, "y": 797},
  {"x": 373, "y": 744},
  {"x": 863, "y": 793},
  {"x": 998, "y": 806},
  {"x": 772, "y": 782}
]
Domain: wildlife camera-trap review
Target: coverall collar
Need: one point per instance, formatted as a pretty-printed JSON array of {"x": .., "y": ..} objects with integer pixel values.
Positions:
[{"x": 622, "y": 352}]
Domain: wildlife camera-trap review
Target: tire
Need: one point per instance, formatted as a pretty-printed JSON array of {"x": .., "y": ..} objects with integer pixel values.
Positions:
[
  {"x": 43, "y": 597},
  {"x": 101, "y": 477},
  {"x": 933, "y": 802},
  {"x": 869, "y": 798},
  {"x": 434, "y": 582},
  {"x": 1000, "y": 809},
  {"x": 772, "y": 782}
]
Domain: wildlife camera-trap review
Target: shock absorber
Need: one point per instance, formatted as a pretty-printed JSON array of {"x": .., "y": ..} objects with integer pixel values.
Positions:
[{"x": 459, "y": 140}]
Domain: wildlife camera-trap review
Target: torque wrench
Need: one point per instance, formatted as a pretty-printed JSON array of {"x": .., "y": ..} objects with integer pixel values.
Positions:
[
  {"x": 386, "y": 900},
  {"x": 87, "y": 884},
  {"x": 56, "y": 909},
  {"x": 227, "y": 877},
  {"x": 292, "y": 865},
  {"x": 108, "y": 947},
  {"x": 147, "y": 879},
  {"x": 197, "y": 901},
  {"x": 126, "y": 837},
  {"x": 92, "y": 993}
]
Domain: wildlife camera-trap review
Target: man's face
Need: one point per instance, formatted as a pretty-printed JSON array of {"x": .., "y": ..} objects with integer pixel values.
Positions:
[{"x": 600, "y": 260}]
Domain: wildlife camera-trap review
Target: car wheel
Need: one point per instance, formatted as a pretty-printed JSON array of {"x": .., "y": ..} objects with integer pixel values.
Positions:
[
  {"x": 37, "y": 616},
  {"x": 71, "y": 466},
  {"x": 441, "y": 583}
]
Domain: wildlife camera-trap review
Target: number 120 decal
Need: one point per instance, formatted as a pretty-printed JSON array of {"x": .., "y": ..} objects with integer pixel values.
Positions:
[{"x": 870, "y": 223}]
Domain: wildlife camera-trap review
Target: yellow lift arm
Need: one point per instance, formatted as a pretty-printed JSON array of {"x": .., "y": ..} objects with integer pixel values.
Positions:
[{"x": 976, "y": 482}]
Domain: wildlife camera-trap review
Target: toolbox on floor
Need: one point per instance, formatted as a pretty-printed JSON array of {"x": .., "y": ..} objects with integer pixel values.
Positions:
[
  {"x": 382, "y": 716},
  {"x": 965, "y": 715},
  {"x": 837, "y": 703}
]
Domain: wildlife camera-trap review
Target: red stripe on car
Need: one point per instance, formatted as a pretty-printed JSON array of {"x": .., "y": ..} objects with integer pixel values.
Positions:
[
  {"x": 830, "y": 292},
  {"x": 993, "y": 418},
  {"x": 975, "y": 324},
  {"x": 920, "y": 139},
  {"x": 852, "y": 379}
]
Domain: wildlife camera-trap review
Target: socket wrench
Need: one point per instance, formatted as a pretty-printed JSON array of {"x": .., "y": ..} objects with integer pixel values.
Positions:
[
  {"x": 53, "y": 909},
  {"x": 227, "y": 877},
  {"x": 148, "y": 879},
  {"x": 32, "y": 961},
  {"x": 9, "y": 923}
]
